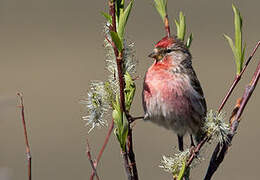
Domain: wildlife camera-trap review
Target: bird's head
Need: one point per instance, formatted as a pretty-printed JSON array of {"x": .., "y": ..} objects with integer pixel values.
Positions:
[{"x": 169, "y": 46}]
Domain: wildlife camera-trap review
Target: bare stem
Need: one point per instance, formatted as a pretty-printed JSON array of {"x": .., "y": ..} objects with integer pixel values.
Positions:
[
  {"x": 196, "y": 151},
  {"x": 102, "y": 149},
  {"x": 131, "y": 154},
  {"x": 237, "y": 78},
  {"x": 219, "y": 152},
  {"x": 133, "y": 119},
  {"x": 90, "y": 160},
  {"x": 119, "y": 62},
  {"x": 28, "y": 151},
  {"x": 126, "y": 164},
  {"x": 166, "y": 26},
  {"x": 218, "y": 156}
]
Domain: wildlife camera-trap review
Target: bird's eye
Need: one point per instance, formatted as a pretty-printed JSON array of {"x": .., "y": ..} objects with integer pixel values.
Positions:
[{"x": 168, "y": 50}]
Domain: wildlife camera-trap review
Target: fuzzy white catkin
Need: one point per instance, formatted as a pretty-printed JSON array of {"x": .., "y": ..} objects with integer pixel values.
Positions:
[
  {"x": 98, "y": 99},
  {"x": 96, "y": 104}
]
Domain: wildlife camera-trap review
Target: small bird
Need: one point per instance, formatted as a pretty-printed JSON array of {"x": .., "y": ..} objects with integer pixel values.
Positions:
[{"x": 172, "y": 95}]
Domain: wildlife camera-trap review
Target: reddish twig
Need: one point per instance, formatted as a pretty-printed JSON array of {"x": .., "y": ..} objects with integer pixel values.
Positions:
[
  {"x": 196, "y": 151},
  {"x": 216, "y": 160},
  {"x": 126, "y": 164},
  {"x": 217, "y": 149},
  {"x": 90, "y": 160},
  {"x": 102, "y": 150},
  {"x": 237, "y": 78},
  {"x": 119, "y": 62},
  {"x": 131, "y": 154},
  {"x": 28, "y": 151},
  {"x": 166, "y": 26}
]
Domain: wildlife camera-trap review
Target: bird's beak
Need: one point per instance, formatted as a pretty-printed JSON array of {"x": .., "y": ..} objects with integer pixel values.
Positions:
[{"x": 155, "y": 54}]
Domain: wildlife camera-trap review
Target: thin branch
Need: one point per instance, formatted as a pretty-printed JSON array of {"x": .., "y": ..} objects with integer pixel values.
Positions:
[
  {"x": 102, "y": 149},
  {"x": 127, "y": 166},
  {"x": 90, "y": 160},
  {"x": 105, "y": 142},
  {"x": 237, "y": 78},
  {"x": 28, "y": 151},
  {"x": 248, "y": 92},
  {"x": 131, "y": 154},
  {"x": 119, "y": 61},
  {"x": 218, "y": 147},
  {"x": 234, "y": 120},
  {"x": 166, "y": 26},
  {"x": 196, "y": 150},
  {"x": 133, "y": 119}
]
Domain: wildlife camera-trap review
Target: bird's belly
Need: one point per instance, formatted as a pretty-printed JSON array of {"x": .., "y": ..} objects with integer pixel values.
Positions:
[
  {"x": 174, "y": 115},
  {"x": 167, "y": 105}
]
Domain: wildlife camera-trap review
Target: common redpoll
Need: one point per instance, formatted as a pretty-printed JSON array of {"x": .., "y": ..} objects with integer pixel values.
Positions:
[{"x": 172, "y": 95}]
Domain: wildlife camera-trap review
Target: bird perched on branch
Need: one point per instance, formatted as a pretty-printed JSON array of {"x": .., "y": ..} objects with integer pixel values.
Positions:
[{"x": 172, "y": 95}]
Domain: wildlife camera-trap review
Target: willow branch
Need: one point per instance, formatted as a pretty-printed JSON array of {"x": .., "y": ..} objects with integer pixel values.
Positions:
[
  {"x": 216, "y": 160},
  {"x": 133, "y": 119},
  {"x": 126, "y": 165},
  {"x": 237, "y": 78},
  {"x": 166, "y": 26},
  {"x": 195, "y": 151},
  {"x": 28, "y": 151},
  {"x": 217, "y": 149},
  {"x": 119, "y": 62},
  {"x": 90, "y": 160},
  {"x": 131, "y": 154},
  {"x": 102, "y": 150}
]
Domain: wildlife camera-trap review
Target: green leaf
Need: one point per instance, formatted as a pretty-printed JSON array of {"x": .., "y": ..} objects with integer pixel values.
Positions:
[
  {"x": 189, "y": 41},
  {"x": 238, "y": 38},
  {"x": 129, "y": 90},
  {"x": 116, "y": 40},
  {"x": 121, "y": 123},
  {"x": 237, "y": 48},
  {"x": 181, "y": 26},
  {"x": 238, "y": 31},
  {"x": 124, "y": 132},
  {"x": 123, "y": 17},
  {"x": 182, "y": 171},
  {"x": 117, "y": 113},
  {"x": 231, "y": 44},
  {"x": 161, "y": 6},
  {"x": 107, "y": 16},
  {"x": 121, "y": 130}
]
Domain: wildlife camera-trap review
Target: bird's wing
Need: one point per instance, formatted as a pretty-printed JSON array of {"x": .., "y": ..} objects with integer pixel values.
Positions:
[{"x": 197, "y": 99}]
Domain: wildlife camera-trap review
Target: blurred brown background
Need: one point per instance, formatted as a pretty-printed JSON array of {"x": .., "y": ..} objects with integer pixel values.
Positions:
[{"x": 51, "y": 49}]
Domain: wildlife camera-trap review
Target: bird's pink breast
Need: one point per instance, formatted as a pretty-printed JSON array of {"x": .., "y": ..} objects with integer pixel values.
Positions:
[{"x": 165, "y": 95}]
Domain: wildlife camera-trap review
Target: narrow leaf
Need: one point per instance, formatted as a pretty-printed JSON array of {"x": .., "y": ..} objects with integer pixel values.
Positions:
[
  {"x": 189, "y": 41},
  {"x": 161, "y": 6},
  {"x": 238, "y": 31},
  {"x": 231, "y": 44},
  {"x": 182, "y": 28},
  {"x": 129, "y": 90},
  {"x": 124, "y": 132},
  {"x": 182, "y": 171},
  {"x": 107, "y": 16},
  {"x": 116, "y": 40},
  {"x": 123, "y": 20},
  {"x": 177, "y": 25}
]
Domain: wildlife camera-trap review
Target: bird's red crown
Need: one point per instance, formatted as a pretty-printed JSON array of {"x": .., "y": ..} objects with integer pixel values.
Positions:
[{"x": 165, "y": 42}]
